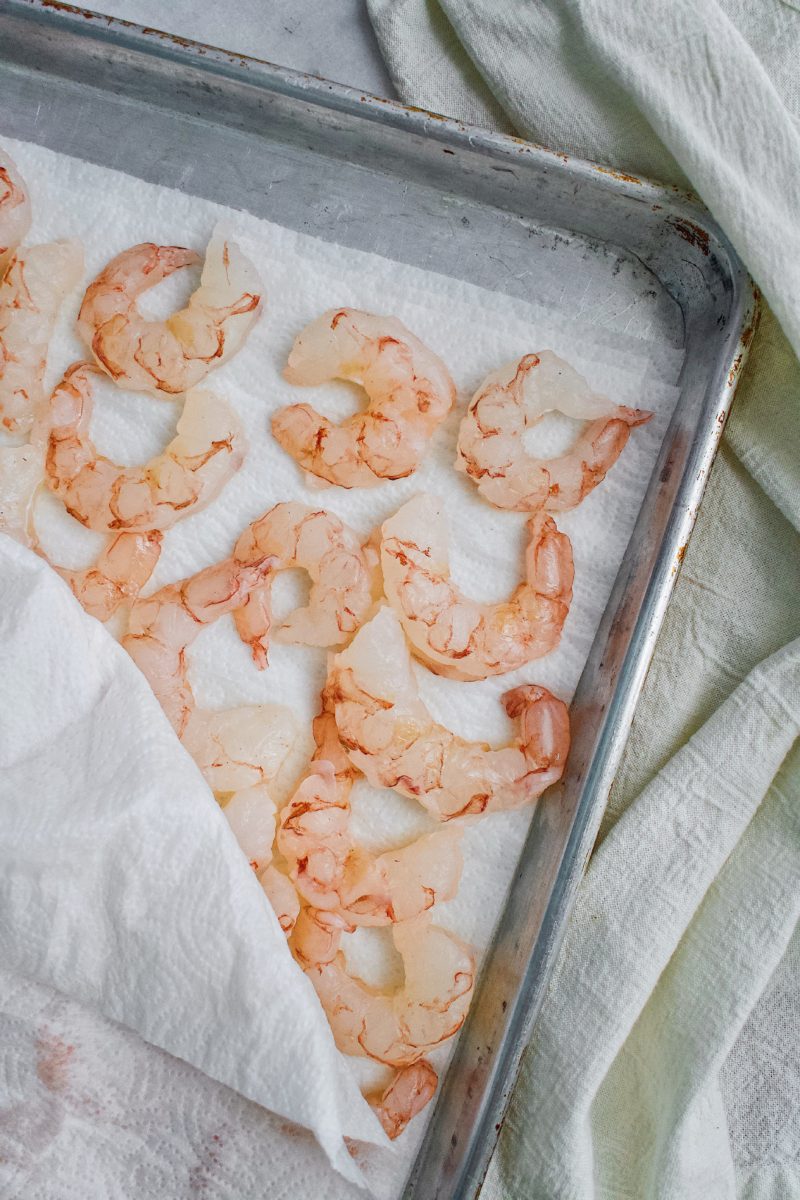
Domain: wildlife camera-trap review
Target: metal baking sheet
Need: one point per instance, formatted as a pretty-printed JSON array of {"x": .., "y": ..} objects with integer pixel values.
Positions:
[{"x": 419, "y": 188}]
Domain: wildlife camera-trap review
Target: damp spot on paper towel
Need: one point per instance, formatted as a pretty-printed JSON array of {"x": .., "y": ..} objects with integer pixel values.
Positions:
[
  {"x": 695, "y": 235},
  {"x": 208, "y": 1160},
  {"x": 53, "y": 1057}
]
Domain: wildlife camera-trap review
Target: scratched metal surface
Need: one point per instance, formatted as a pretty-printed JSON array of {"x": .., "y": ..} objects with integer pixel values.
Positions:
[{"x": 498, "y": 212}]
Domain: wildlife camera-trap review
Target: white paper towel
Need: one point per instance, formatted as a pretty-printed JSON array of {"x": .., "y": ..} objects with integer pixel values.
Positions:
[
  {"x": 474, "y": 331},
  {"x": 120, "y": 881}
]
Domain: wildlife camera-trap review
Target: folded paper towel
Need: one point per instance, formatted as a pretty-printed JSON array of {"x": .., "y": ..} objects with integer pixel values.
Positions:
[
  {"x": 473, "y": 330},
  {"x": 121, "y": 883}
]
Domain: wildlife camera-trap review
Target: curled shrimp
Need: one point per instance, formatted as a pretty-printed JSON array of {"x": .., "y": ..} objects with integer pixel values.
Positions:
[
  {"x": 411, "y": 1090},
  {"x": 235, "y": 748},
  {"x": 457, "y": 636},
  {"x": 409, "y": 389},
  {"x": 392, "y": 738},
  {"x": 121, "y": 571},
  {"x": 514, "y": 398},
  {"x": 396, "y": 1028},
  {"x": 15, "y": 210},
  {"x": 205, "y": 453},
  {"x": 251, "y": 815},
  {"x": 331, "y": 872},
  {"x": 282, "y": 896},
  {"x": 31, "y": 294},
  {"x": 343, "y": 578},
  {"x": 21, "y": 473},
  {"x": 175, "y": 355}
]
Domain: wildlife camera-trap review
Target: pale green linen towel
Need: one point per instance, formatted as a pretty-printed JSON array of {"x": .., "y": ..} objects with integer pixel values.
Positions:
[{"x": 665, "y": 1063}]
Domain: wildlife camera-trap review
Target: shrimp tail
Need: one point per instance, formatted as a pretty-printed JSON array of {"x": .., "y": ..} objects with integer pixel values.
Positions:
[
  {"x": 411, "y": 1090},
  {"x": 544, "y": 731}
]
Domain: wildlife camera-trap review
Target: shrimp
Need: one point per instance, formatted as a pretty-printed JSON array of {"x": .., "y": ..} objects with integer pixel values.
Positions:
[
  {"x": 331, "y": 872},
  {"x": 205, "y": 453},
  {"x": 118, "y": 575},
  {"x": 281, "y": 894},
  {"x": 15, "y": 210},
  {"x": 235, "y": 748},
  {"x": 251, "y": 816},
  {"x": 239, "y": 747},
  {"x": 21, "y": 474},
  {"x": 317, "y": 934},
  {"x": 459, "y": 637},
  {"x": 175, "y": 355},
  {"x": 31, "y": 294},
  {"x": 343, "y": 578},
  {"x": 411, "y": 1090},
  {"x": 409, "y": 389},
  {"x": 512, "y": 399},
  {"x": 392, "y": 738},
  {"x": 396, "y": 1028}
]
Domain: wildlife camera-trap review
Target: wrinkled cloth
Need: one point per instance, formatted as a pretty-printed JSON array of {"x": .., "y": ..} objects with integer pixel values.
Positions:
[{"x": 665, "y": 1062}]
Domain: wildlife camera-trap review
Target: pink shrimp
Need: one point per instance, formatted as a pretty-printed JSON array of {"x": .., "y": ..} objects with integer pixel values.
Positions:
[
  {"x": 409, "y": 389},
  {"x": 392, "y": 738},
  {"x": 411, "y": 1090},
  {"x": 235, "y": 748},
  {"x": 251, "y": 815},
  {"x": 330, "y": 871},
  {"x": 457, "y": 636},
  {"x": 396, "y": 1028},
  {"x": 15, "y": 210},
  {"x": 31, "y": 294},
  {"x": 121, "y": 571},
  {"x": 203, "y": 456},
  {"x": 172, "y": 356},
  {"x": 21, "y": 475},
  {"x": 512, "y": 399},
  {"x": 343, "y": 578}
]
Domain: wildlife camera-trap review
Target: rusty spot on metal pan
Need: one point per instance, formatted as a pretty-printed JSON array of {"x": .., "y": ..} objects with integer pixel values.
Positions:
[
  {"x": 695, "y": 235},
  {"x": 57, "y": 6},
  {"x": 734, "y": 371},
  {"x": 618, "y": 175}
]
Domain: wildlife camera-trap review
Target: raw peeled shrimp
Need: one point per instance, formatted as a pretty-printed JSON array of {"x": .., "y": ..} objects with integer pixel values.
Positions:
[
  {"x": 31, "y": 293},
  {"x": 331, "y": 872},
  {"x": 282, "y": 896},
  {"x": 251, "y": 816},
  {"x": 206, "y": 451},
  {"x": 235, "y": 748},
  {"x": 124, "y": 565},
  {"x": 121, "y": 571},
  {"x": 15, "y": 210},
  {"x": 392, "y": 738},
  {"x": 396, "y": 1028},
  {"x": 343, "y": 578},
  {"x": 411, "y": 1090},
  {"x": 512, "y": 399},
  {"x": 457, "y": 636},
  {"x": 21, "y": 473},
  {"x": 409, "y": 389},
  {"x": 174, "y": 355}
]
